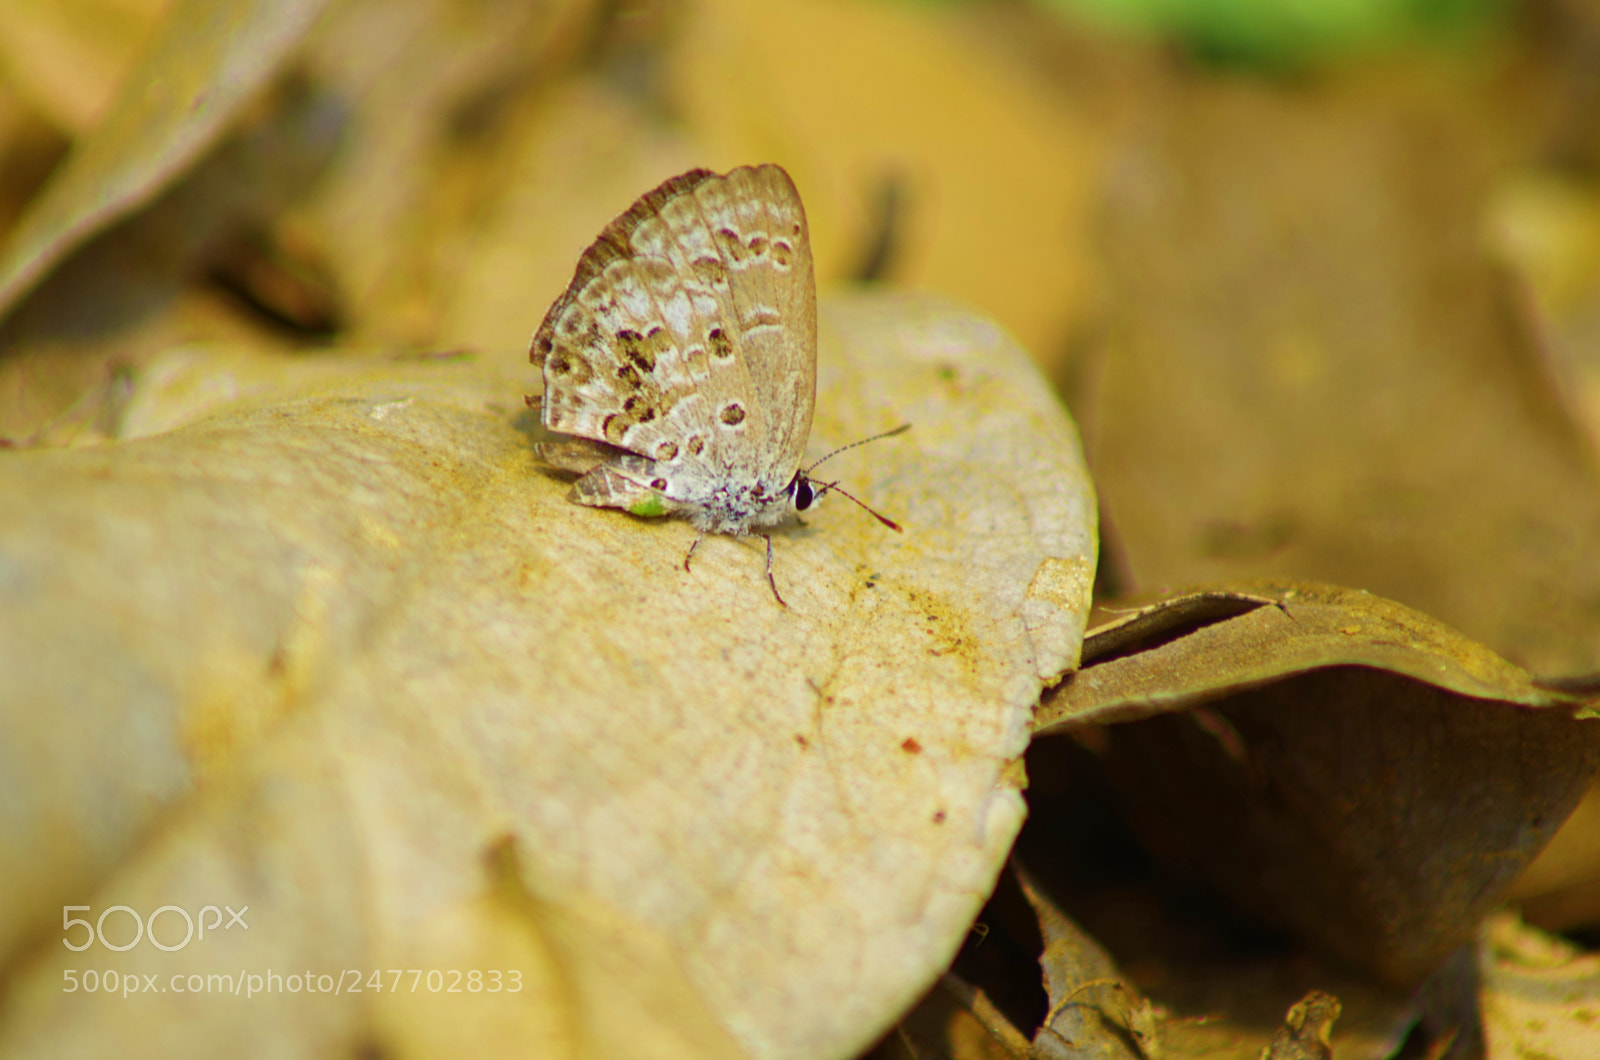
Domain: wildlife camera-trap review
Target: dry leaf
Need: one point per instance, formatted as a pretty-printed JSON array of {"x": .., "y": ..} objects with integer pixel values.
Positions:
[
  {"x": 367, "y": 167},
  {"x": 1197, "y": 646},
  {"x": 326, "y": 648},
  {"x": 1307, "y": 1032},
  {"x": 1541, "y": 994},
  {"x": 1094, "y": 1013},
  {"x": 1334, "y": 763},
  {"x": 207, "y": 60}
]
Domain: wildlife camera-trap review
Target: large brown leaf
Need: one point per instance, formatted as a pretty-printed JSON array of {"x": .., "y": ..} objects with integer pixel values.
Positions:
[{"x": 335, "y": 651}]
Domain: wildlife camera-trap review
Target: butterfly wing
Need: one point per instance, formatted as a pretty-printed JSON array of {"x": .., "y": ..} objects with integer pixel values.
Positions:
[{"x": 688, "y": 337}]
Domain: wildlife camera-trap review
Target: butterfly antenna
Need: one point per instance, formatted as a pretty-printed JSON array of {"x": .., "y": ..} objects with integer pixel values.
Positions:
[
  {"x": 903, "y": 428},
  {"x": 834, "y": 486}
]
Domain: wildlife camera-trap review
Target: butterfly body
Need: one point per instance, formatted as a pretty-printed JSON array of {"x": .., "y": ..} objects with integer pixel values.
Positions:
[{"x": 682, "y": 356}]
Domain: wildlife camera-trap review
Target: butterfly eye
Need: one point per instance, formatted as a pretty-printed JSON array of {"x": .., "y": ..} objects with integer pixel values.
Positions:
[{"x": 803, "y": 495}]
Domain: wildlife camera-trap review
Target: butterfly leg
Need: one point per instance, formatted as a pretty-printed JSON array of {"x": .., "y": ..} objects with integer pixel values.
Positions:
[
  {"x": 688, "y": 555},
  {"x": 770, "y": 580}
]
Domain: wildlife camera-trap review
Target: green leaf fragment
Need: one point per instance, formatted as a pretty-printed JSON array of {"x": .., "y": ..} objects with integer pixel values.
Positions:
[{"x": 650, "y": 505}]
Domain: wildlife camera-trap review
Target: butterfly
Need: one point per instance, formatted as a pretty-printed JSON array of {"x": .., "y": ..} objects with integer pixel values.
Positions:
[{"x": 682, "y": 358}]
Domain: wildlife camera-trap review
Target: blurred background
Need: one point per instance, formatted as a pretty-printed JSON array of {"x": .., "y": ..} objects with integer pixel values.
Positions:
[{"x": 1319, "y": 281}]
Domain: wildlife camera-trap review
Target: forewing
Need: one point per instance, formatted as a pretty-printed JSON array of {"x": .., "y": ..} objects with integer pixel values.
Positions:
[{"x": 688, "y": 333}]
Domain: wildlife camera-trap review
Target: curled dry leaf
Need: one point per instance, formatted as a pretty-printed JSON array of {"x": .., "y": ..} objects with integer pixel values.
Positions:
[
  {"x": 344, "y": 195},
  {"x": 1095, "y": 1014},
  {"x": 337, "y": 653},
  {"x": 1335, "y": 763},
  {"x": 1307, "y": 1031},
  {"x": 205, "y": 62}
]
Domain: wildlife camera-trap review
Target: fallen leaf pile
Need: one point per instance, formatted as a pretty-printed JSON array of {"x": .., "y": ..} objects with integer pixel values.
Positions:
[{"x": 1257, "y": 725}]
